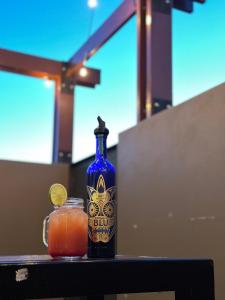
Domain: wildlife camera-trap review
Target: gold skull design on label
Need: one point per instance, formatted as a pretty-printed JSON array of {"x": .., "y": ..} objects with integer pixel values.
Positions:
[{"x": 101, "y": 212}]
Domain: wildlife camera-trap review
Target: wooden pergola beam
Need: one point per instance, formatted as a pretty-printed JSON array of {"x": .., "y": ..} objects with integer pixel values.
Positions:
[
  {"x": 93, "y": 78},
  {"x": 154, "y": 27},
  {"x": 39, "y": 67},
  {"x": 25, "y": 64},
  {"x": 35, "y": 66},
  {"x": 200, "y": 1},
  {"x": 186, "y": 5},
  {"x": 118, "y": 18}
]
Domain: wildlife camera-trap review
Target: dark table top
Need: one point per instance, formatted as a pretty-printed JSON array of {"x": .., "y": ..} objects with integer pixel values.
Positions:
[
  {"x": 39, "y": 276},
  {"x": 47, "y": 259}
]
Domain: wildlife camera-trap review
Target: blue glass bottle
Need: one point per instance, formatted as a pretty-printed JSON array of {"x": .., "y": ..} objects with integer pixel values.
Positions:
[{"x": 101, "y": 205}]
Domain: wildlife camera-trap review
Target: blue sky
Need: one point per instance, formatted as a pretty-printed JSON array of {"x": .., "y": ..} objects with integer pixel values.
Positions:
[{"x": 55, "y": 29}]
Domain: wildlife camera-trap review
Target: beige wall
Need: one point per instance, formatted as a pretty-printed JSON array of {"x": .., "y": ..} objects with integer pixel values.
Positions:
[
  {"x": 171, "y": 184},
  {"x": 24, "y": 203}
]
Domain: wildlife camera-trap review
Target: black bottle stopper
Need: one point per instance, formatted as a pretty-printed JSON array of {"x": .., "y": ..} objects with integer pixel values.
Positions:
[{"x": 101, "y": 129}]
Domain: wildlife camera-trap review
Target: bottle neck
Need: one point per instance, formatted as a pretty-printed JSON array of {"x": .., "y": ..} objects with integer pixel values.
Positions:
[{"x": 101, "y": 151}]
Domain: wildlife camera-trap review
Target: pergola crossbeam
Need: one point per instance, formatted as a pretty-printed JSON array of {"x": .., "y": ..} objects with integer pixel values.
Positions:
[
  {"x": 44, "y": 68},
  {"x": 25, "y": 64},
  {"x": 184, "y": 5},
  {"x": 118, "y": 18},
  {"x": 35, "y": 66}
]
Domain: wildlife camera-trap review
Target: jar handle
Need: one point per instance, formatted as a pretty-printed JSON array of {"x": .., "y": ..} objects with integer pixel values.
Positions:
[{"x": 45, "y": 231}]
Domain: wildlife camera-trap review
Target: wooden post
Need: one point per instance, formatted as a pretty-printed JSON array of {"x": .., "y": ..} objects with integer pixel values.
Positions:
[
  {"x": 63, "y": 123},
  {"x": 154, "y": 56}
]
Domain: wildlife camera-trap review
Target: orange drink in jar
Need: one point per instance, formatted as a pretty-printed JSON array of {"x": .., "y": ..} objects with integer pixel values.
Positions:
[{"x": 65, "y": 231}]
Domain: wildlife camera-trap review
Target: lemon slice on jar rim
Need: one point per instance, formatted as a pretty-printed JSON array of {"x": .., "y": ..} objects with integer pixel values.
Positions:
[{"x": 57, "y": 194}]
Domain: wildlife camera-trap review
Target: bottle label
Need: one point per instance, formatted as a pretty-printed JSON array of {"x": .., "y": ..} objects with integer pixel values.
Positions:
[{"x": 101, "y": 212}]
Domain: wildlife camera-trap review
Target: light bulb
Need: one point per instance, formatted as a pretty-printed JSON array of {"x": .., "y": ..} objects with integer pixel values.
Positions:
[
  {"x": 47, "y": 83},
  {"x": 83, "y": 72},
  {"x": 148, "y": 20},
  {"x": 92, "y": 3}
]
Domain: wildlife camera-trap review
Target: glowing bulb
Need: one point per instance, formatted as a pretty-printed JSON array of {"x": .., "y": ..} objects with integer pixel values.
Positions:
[
  {"x": 148, "y": 107},
  {"x": 148, "y": 20},
  {"x": 83, "y": 72},
  {"x": 48, "y": 83},
  {"x": 92, "y": 3}
]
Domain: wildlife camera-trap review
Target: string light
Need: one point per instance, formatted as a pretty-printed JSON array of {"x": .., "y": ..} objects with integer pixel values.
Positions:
[
  {"x": 92, "y": 3},
  {"x": 83, "y": 72},
  {"x": 148, "y": 20},
  {"x": 47, "y": 83}
]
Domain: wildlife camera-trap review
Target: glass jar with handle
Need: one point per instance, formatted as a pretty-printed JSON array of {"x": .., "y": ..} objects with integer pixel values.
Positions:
[{"x": 65, "y": 230}]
